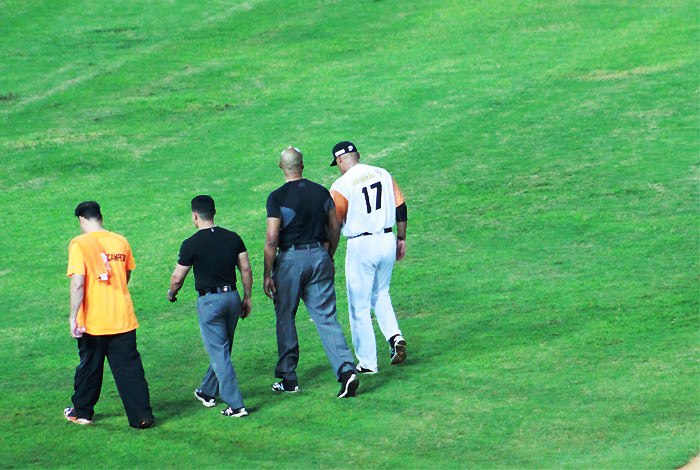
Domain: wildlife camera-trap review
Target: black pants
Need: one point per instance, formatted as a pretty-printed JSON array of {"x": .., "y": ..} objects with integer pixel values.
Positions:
[{"x": 127, "y": 370}]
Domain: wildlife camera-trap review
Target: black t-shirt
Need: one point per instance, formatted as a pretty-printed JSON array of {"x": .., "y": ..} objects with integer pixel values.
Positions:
[
  {"x": 214, "y": 254},
  {"x": 303, "y": 207}
]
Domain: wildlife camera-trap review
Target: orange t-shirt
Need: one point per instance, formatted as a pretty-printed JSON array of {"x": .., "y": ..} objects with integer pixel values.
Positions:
[{"x": 107, "y": 308}]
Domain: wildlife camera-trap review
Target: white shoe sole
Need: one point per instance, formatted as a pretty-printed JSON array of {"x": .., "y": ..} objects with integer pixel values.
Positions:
[
  {"x": 240, "y": 414},
  {"x": 206, "y": 403}
]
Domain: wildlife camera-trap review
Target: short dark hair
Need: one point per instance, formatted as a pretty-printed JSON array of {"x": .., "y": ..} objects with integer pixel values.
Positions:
[
  {"x": 89, "y": 210},
  {"x": 204, "y": 206}
]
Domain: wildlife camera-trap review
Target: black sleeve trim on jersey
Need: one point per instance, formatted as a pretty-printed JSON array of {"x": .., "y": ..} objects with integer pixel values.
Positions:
[{"x": 402, "y": 213}]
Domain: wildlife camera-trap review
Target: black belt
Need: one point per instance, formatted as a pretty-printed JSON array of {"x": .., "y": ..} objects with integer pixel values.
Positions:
[
  {"x": 303, "y": 246},
  {"x": 216, "y": 290},
  {"x": 386, "y": 230}
]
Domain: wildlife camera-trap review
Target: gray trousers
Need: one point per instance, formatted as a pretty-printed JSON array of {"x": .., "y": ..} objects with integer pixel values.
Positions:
[
  {"x": 307, "y": 275},
  {"x": 218, "y": 316}
]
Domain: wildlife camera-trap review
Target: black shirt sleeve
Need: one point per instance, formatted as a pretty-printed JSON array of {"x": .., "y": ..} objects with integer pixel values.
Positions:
[
  {"x": 273, "y": 206},
  {"x": 329, "y": 204},
  {"x": 185, "y": 258},
  {"x": 241, "y": 247}
]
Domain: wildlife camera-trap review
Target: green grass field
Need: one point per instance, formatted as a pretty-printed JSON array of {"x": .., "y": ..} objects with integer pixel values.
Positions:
[{"x": 549, "y": 154}]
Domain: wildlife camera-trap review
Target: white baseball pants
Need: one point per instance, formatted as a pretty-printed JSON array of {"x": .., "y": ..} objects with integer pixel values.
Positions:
[{"x": 369, "y": 262}]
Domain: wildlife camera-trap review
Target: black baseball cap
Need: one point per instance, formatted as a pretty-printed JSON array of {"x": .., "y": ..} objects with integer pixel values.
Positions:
[{"x": 342, "y": 148}]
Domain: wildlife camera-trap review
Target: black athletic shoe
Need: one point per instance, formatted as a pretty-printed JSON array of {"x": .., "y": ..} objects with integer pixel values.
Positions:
[
  {"x": 398, "y": 349},
  {"x": 234, "y": 413},
  {"x": 145, "y": 424},
  {"x": 286, "y": 387},
  {"x": 363, "y": 371},
  {"x": 207, "y": 400},
  {"x": 348, "y": 384}
]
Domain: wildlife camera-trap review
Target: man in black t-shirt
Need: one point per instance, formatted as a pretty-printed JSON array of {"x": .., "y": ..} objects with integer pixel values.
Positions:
[
  {"x": 215, "y": 253},
  {"x": 302, "y": 236}
]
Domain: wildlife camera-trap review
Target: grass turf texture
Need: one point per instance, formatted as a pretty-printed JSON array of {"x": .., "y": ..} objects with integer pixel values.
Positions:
[{"x": 549, "y": 155}]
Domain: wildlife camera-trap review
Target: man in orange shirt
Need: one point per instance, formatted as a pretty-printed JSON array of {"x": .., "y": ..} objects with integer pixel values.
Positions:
[{"x": 102, "y": 319}]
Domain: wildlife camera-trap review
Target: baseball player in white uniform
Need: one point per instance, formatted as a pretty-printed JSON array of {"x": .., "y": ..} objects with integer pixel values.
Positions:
[{"x": 368, "y": 203}]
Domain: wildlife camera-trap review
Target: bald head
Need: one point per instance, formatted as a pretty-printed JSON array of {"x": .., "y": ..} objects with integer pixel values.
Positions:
[{"x": 291, "y": 160}]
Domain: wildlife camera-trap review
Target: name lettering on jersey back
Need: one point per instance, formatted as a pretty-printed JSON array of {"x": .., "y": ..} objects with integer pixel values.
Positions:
[
  {"x": 116, "y": 257},
  {"x": 364, "y": 178}
]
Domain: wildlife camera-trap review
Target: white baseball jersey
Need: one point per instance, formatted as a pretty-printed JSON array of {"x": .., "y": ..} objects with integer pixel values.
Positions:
[{"x": 370, "y": 196}]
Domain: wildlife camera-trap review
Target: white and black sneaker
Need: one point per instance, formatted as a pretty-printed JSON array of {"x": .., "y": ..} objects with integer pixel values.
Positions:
[
  {"x": 348, "y": 384},
  {"x": 71, "y": 416},
  {"x": 286, "y": 387},
  {"x": 365, "y": 371},
  {"x": 207, "y": 400},
  {"x": 398, "y": 349},
  {"x": 234, "y": 412}
]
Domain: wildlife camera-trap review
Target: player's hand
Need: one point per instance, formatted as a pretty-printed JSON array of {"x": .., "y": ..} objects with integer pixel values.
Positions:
[
  {"x": 171, "y": 296},
  {"x": 400, "y": 249},
  {"x": 269, "y": 287},
  {"x": 75, "y": 330},
  {"x": 246, "y": 307}
]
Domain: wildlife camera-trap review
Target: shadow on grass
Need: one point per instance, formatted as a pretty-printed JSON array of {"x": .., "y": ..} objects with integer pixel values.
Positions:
[{"x": 182, "y": 406}]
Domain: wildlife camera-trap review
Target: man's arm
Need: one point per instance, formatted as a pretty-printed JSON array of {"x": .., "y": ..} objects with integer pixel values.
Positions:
[
  {"x": 176, "y": 281},
  {"x": 77, "y": 293},
  {"x": 341, "y": 205},
  {"x": 247, "y": 281},
  {"x": 400, "y": 240},
  {"x": 401, "y": 221},
  {"x": 128, "y": 275},
  {"x": 333, "y": 231},
  {"x": 271, "y": 241}
]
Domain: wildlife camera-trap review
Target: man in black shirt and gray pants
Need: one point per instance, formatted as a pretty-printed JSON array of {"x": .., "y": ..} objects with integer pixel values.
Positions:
[
  {"x": 302, "y": 236},
  {"x": 215, "y": 253}
]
